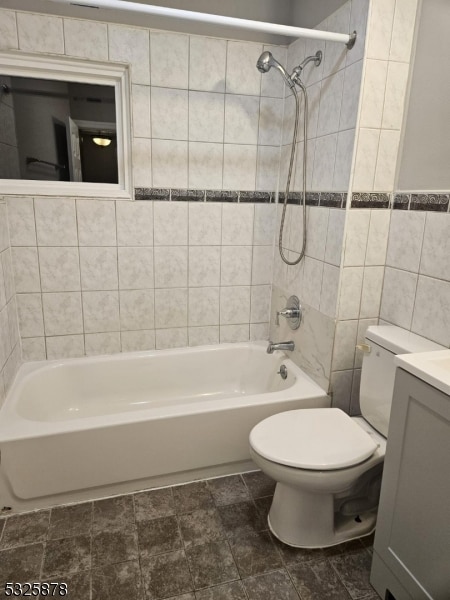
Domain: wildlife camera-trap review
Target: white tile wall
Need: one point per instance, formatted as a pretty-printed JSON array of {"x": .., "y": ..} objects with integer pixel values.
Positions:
[
  {"x": 416, "y": 288},
  {"x": 211, "y": 85},
  {"x": 8, "y": 31},
  {"x": 202, "y": 272},
  {"x": 434, "y": 260},
  {"x": 131, "y": 46},
  {"x": 86, "y": 39},
  {"x": 399, "y": 292},
  {"x": 389, "y": 44},
  {"x": 206, "y": 116},
  {"x": 10, "y": 349},
  {"x": 241, "y": 75},
  {"x": 207, "y": 65},
  {"x": 136, "y": 276},
  {"x": 169, "y": 56},
  {"x": 313, "y": 339},
  {"x": 333, "y": 97},
  {"x": 361, "y": 283},
  {"x": 405, "y": 240},
  {"x": 316, "y": 279},
  {"x": 40, "y": 33}
]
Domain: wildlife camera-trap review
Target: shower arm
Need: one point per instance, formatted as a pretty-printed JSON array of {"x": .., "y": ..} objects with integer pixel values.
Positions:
[{"x": 297, "y": 72}]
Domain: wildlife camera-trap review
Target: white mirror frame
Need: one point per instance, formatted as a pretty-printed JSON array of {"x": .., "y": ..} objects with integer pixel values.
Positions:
[{"x": 21, "y": 64}]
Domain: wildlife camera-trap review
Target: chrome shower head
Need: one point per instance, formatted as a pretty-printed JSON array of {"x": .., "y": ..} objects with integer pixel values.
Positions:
[{"x": 266, "y": 61}]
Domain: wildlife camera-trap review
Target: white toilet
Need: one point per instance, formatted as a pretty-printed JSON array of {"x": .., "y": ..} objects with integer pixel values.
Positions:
[{"x": 328, "y": 465}]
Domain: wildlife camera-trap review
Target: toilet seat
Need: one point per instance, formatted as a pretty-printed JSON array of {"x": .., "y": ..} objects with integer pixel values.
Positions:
[{"x": 315, "y": 438}]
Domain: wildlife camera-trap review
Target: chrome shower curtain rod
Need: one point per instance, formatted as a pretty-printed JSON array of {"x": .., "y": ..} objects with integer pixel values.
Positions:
[{"x": 188, "y": 15}]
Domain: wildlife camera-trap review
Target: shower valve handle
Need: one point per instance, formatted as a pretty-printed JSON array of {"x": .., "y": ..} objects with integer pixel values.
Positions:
[
  {"x": 292, "y": 313},
  {"x": 289, "y": 313}
]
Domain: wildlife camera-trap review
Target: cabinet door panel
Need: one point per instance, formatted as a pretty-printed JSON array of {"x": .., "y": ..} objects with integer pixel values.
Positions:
[{"x": 413, "y": 533}]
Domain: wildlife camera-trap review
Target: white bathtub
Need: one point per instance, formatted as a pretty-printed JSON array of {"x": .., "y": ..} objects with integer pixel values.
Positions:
[{"x": 89, "y": 427}]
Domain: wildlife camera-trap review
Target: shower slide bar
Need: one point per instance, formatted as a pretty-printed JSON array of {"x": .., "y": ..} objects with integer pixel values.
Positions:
[{"x": 188, "y": 15}]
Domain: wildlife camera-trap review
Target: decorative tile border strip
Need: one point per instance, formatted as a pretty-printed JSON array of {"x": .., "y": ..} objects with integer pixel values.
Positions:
[
  {"x": 400, "y": 201},
  {"x": 203, "y": 195},
  {"x": 431, "y": 202},
  {"x": 221, "y": 196},
  {"x": 370, "y": 200},
  {"x": 258, "y": 197},
  {"x": 333, "y": 199},
  {"x": 187, "y": 195},
  {"x": 327, "y": 199},
  {"x": 151, "y": 194}
]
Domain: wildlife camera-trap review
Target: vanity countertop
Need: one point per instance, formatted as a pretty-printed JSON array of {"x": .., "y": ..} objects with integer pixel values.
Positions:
[{"x": 431, "y": 367}]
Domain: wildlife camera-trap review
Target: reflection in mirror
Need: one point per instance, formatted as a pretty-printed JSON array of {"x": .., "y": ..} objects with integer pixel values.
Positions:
[{"x": 55, "y": 130}]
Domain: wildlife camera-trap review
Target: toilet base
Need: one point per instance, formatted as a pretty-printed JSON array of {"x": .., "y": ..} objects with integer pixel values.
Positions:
[{"x": 304, "y": 520}]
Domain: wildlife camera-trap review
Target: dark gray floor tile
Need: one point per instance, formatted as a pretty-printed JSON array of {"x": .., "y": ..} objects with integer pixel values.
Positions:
[
  {"x": 109, "y": 547},
  {"x": 66, "y": 521},
  {"x": 29, "y": 528},
  {"x": 154, "y": 504},
  {"x": 228, "y": 490},
  {"x": 21, "y": 564},
  {"x": 158, "y": 536},
  {"x": 367, "y": 542},
  {"x": 316, "y": 580},
  {"x": 344, "y": 548},
  {"x": 227, "y": 591},
  {"x": 113, "y": 513},
  {"x": 243, "y": 516},
  {"x": 201, "y": 526},
  {"x": 271, "y": 586},
  {"x": 192, "y": 496},
  {"x": 259, "y": 484},
  {"x": 263, "y": 505},
  {"x": 78, "y": 586},
  {"x": 2, "y": 525},
  {"x": 254, "y": 553},
  {"x": 68, "y": 555},
  {"x": 354, "y": 571},
  {"x": 166, "y": 575},
  {"x": 290, "y": 555},
  {"x": 117, "y": 582},
  {"x": 211, "y": 564}
]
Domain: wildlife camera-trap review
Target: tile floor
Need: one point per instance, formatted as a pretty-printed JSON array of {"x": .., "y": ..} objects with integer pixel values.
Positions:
[{"x": 206, "y": 540}]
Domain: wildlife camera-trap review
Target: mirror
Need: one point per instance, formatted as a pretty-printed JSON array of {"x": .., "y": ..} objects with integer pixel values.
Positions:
[
  {"x": 57, "y": 130},
  {"x": 65, "y": 126}
]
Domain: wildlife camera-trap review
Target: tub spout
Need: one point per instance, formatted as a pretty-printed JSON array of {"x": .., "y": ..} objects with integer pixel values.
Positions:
[{"x": 280, "y": 346}]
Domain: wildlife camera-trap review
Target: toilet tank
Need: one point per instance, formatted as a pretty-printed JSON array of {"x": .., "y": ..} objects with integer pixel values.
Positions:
[{"x": 378, "y": 370}]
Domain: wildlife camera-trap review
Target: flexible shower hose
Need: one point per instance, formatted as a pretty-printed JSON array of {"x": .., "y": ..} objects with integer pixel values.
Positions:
[{"x": 288, "y": 181}]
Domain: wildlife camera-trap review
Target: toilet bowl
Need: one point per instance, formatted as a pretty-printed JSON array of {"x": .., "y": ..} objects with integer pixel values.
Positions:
[{"x": 328, "y": 465}]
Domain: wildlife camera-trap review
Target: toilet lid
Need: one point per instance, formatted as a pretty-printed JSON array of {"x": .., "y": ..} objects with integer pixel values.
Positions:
[{"x": 312, "y": 438}]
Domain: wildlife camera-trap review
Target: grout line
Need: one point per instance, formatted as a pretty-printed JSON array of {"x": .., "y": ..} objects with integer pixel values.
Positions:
[
  {"x": 418, "y": 273},
  {"x": 75, "y": 202},
  {"x": 33, "y": 200},
  {"x": 16, "y": 22}
]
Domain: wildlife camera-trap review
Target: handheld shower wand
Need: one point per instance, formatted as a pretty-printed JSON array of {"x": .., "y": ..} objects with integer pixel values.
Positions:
[{"x": 266, "y": 61}]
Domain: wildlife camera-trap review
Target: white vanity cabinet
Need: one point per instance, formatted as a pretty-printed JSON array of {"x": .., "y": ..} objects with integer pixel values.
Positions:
[{"x": 411, "y": 558}]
